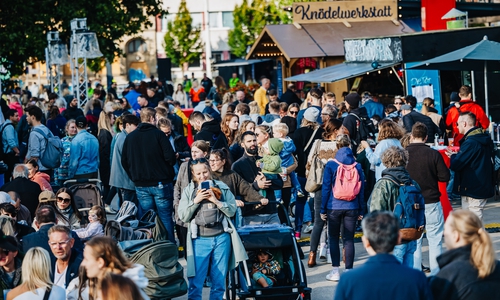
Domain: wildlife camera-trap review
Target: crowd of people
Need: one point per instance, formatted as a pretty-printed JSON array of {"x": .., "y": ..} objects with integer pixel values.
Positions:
[{"x": 249, "y": 153}]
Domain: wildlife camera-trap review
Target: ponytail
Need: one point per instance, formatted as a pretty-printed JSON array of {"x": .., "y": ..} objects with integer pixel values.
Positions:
[
  {"x": 470, "y": 228},
  {"x": 482, "y": 255}
]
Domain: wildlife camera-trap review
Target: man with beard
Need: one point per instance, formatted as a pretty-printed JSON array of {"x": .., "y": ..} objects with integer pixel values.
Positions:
[
  {"x": 72, "y": 112},
  {"x": 68, "y": 260},
  {"x": 247, "y": 168}
]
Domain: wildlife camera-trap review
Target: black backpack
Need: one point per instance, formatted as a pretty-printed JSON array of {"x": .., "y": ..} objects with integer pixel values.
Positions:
[
  {"x": 365, "y": 129},
  {"x": 2, "y": 154}
]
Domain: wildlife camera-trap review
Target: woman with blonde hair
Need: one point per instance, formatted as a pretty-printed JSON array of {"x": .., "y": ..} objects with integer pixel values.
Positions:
[
  {"x": 36, "y": 280},
  {"x": 105, "y": 137},
  {"x": 255, "y": 112},
  {"x": 469, "y": 269},
  {"x": 101, "y": 256},
  {"x": 227, "y": 99},
  {"x": 389, "y": 135}
]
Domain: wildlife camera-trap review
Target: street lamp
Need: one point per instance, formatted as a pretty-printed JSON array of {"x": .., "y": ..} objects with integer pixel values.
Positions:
[
  {"x": 56, "y": 55},
  {"x": 84, "y": 45}
]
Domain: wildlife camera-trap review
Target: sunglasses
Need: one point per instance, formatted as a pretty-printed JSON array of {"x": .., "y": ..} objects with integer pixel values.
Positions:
[
  {"x": 63, "y": 200},
  {"x": 4, "y": 251},
  {"x": 398, "y": 103},
  {"x": 199, "y": 161},
  {"x": 294, "y": 112}
]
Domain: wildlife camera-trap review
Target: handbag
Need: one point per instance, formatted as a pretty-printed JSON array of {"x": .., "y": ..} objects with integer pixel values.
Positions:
[
  {"x": 315, "y": 176},
  {"x": 47, "y": 293}
]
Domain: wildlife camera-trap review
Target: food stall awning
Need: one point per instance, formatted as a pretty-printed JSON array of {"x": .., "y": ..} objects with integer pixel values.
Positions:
[
  {"x": 239, "y": 62},
  {"x": 339, "y": 72},
  {"x": 317, "y": 40}
]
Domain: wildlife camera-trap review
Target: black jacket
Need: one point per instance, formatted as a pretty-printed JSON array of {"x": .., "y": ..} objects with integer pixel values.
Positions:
[
  {"x": 473, "y": 166},
  {"x": 105, "y": 138},
  {"x": 181, "y": 146},
  {"x": 300, "y": 138},
  {"x": 426, "y": 166},
  {"x": 351, "y": 122},
  {"x": 457, "y": 278},
  {"x": 41, "y": 239},
  {"x": 72, "y": 113},
  {"x": 210, "y": 132},
  {"x": 414, "y": 116},
  {"x": 290, "y": 97},
  {"x": 176, "y": 121},
  {"x": 28, "y": 192},
  {"x": 148, "y": 157}
]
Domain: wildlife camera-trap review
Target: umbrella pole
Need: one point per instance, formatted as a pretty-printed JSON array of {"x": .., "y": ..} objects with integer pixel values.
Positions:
[
  {"x": 486, "y": 89},
  {"x": 473, "y": 83}
]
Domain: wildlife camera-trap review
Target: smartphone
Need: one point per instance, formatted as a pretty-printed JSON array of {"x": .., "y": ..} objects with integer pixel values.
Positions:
[{"x": 205, "y": 185}]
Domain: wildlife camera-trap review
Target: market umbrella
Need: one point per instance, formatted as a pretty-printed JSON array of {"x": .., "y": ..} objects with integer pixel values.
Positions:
[{"x": 480, "y": 56}]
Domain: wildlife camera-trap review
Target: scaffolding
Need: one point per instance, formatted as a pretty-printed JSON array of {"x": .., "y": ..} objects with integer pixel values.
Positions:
[{"x": 83, "y": 45}]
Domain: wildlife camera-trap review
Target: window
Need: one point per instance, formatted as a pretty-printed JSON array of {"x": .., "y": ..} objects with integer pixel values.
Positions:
[
  {"x": 227, "y": 19},
  {"x": 197, "y": 19},
  {"x": 214, "y": 20},
  {"x": 137, "y": 45}
]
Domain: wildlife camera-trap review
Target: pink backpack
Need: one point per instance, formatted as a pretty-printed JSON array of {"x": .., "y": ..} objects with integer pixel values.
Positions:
[{"x": 347, "y": 183}]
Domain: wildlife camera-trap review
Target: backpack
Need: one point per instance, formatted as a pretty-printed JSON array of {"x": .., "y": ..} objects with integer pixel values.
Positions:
[
  {"x": 347, "y": 182},
  {"x": 409, "y": 209},
  {"x": 365, "y": 129},
  {"x": 162, "y": 269},
  {"x": 51, "y": 157},
  {"x": 2, "y": 153}
]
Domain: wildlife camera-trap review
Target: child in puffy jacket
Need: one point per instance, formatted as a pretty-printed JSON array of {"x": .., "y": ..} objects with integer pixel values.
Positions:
[
  {"x": 265, "y": 268},
  {"x": 270, "y": 163},
  {"x": 280, "y": 131}
]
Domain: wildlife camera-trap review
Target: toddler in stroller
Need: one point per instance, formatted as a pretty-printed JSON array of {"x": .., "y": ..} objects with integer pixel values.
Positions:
[{"x": 265, "y": 268}]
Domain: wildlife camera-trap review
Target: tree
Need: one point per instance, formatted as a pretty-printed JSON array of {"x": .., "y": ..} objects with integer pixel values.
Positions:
[
  {"x": 250, "y": 20},
  {"x": 25, "y": 25},
  {"x": 183, "y": 44}
]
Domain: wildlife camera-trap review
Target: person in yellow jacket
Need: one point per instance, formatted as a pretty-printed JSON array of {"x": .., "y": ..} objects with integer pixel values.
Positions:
[
  {"x": 260, "y": 95},
  {"x": 178, "y": 111},
  {"x": 233, "y": 81}
]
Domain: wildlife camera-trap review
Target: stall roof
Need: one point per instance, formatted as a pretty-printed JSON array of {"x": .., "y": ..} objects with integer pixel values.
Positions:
[
  {"x": 239, "y": 62},
  {"x": 319, "y": 40},
  {"x": 338, "y": 72}
]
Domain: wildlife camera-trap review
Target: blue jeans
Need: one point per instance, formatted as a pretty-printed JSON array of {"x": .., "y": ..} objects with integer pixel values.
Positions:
[
  {"x": 404, "y": 253},
  {"x": 307, "y": 212},
  {"x": 434, "y": 226},
  {"x": 161, "y": 201},
  {"x": 214, "y": 252},
  {"x": 299, "y": 206},
  {"x": 258, "y": 275}
]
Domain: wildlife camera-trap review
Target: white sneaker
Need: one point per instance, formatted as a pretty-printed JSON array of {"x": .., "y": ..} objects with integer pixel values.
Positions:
[
  {"x": 322, "y": 251},
  {"x": 334, "y": 274},
  {"x": 308, "y": 228}
]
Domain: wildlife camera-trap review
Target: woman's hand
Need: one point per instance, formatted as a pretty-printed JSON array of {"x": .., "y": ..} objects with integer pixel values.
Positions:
[
  {"x": 240, "y": 203},
  {"x": 201, "y": 195},
  {"x": 264, "y": 201},
  {"x": 360, "y": 217},
  {"x": 324, "y": 217},
  {"x": 365, "y": 144}
]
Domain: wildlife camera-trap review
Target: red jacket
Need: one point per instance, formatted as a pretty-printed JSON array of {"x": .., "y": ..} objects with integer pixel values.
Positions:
[{"x": 466, "y": 105}]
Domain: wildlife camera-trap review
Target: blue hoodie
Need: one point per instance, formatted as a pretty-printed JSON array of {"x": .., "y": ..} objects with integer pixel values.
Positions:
[{"x": 328, "y": 202}]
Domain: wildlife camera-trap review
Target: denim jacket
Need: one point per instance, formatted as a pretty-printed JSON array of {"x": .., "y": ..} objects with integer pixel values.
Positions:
[
  {"x": 84, "y": 154},
  {"x": 9, "y": 137}
]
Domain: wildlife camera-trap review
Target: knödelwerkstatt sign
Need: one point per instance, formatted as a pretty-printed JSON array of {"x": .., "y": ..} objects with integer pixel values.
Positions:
[{"x": 341, "y": 11}]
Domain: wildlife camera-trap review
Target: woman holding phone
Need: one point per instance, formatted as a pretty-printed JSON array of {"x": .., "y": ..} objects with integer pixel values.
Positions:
[{"x": 209, "y": 204}]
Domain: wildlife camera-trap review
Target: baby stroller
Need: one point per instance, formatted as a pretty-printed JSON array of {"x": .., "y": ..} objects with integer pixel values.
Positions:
[
  {"x": 87, "y": 193},
  {"x": 279, "y": 239}
]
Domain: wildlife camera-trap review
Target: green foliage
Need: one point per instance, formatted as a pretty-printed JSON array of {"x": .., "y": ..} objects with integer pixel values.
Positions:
[
  {"x": 24, "y": 25},
  {"x": 182, "y": 41},
  {"x": 250, "y": 20}
]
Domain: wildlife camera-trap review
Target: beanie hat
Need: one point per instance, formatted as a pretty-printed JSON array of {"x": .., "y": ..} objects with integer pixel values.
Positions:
[
  {"x": 353, "y": 99},
  {"x": 311, "y": 114},
  {"x": 275, "y": 146},
  {"x": 454, "y": 97}
]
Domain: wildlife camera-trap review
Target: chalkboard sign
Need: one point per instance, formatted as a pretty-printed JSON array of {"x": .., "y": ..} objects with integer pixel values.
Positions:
[{"x": 424, "y": 83}]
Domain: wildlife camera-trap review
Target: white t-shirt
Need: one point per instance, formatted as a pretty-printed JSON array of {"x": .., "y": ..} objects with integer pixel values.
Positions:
[
  {"x": 60, "y": 278},
  {"x": 57, "y": 293}
]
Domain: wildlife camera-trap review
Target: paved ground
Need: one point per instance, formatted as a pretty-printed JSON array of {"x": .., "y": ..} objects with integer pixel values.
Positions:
[{"x": 323, "y": 289}]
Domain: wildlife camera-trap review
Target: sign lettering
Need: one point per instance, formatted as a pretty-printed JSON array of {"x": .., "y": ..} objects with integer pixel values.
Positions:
[{"x": 339, "y": 11}]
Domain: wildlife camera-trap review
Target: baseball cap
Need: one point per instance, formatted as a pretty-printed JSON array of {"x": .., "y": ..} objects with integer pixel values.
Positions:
[
  {"x": 81, "y": 122},
  {"x": 47, "y": 196}
]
